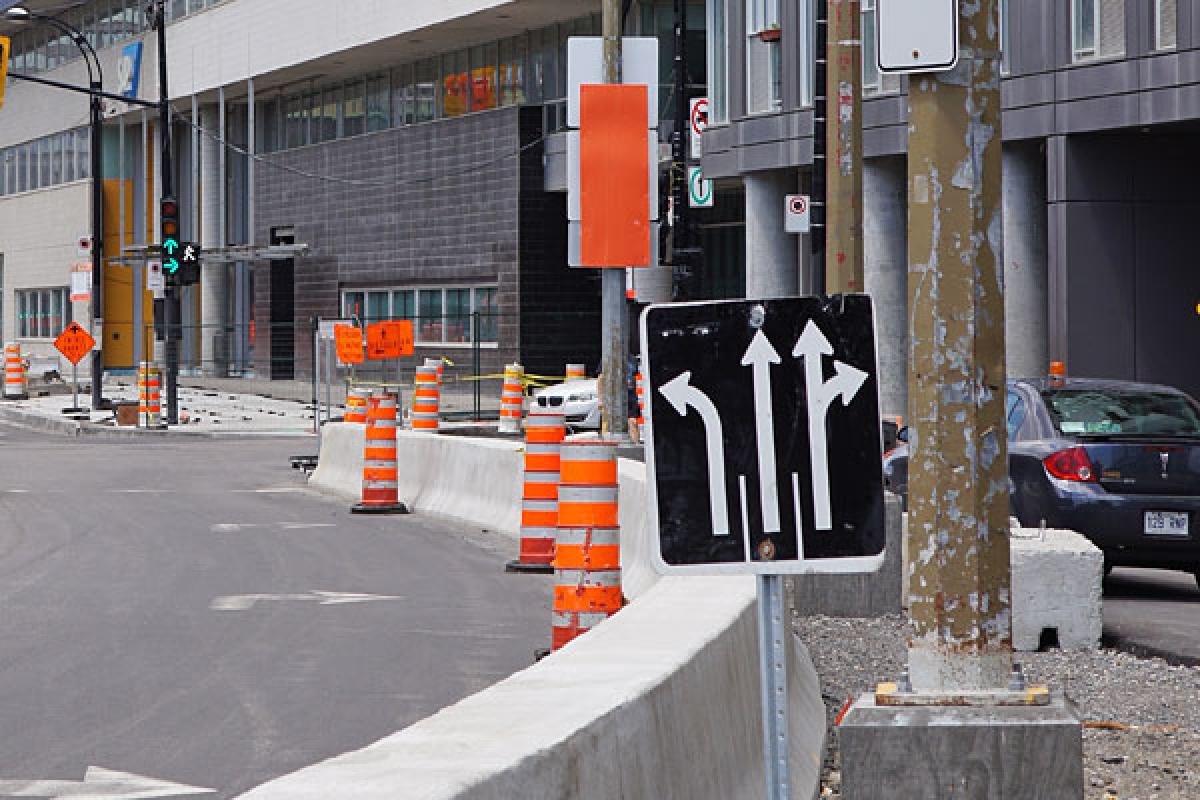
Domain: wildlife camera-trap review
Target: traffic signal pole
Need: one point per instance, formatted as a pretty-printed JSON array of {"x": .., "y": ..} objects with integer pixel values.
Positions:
[
  {"x": 614, "y": 333},
  {"x": 171, "y": 305}
]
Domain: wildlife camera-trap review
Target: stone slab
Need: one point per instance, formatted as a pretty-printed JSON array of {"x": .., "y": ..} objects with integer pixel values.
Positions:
[
  {"x": 1057, "y": 585},
  {"x": 931, "y": 753}
]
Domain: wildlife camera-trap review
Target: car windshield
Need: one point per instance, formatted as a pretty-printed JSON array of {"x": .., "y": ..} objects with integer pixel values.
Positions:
[{"x": 1116, "y": 412}]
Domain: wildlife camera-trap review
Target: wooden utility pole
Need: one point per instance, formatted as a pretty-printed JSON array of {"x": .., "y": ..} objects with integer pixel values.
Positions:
[
  {"x": 958, "y": 570},
  {"x": 614, "y": 333},
  {"x": 843, "y": 148}
]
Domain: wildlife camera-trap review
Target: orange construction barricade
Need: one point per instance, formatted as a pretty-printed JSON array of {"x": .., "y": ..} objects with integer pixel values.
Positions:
[
  {"x": 150, "y": 396},
  {"x": 356, "y": 405},
  {"x": 426, "y": 400},
  {"x": 14, "y": 373},
  {"x": 576, "y": 372},
  {"x": 512, "y": 399},
  {"x": 380, "y": 488},
  {"x": 539, "y": 501}
]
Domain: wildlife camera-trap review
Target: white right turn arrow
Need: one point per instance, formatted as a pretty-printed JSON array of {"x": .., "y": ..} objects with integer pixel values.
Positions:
[
  {"x": 681, "y": 394},
  {"x": 812, "y": 346}
]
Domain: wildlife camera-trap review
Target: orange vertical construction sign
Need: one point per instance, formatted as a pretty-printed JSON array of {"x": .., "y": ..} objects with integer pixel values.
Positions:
[{"x": 614, "y": 175}]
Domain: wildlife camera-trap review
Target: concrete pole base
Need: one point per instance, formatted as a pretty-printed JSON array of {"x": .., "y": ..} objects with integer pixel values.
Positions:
[{"x": 978, "y": 752}]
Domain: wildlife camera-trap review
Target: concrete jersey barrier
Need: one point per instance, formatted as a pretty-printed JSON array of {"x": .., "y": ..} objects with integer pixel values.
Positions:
[{"x": 660, "y": 701}]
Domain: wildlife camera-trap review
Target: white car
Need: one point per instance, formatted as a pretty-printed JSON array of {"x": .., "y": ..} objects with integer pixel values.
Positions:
[{"x": 578, "y": 400}]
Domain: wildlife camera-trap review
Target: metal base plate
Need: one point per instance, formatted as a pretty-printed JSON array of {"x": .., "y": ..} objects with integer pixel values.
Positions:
[
  {"x": 889, "y": 694},
  {"x": 399, "y": 508},
  {"x": 517, "y": 565}
]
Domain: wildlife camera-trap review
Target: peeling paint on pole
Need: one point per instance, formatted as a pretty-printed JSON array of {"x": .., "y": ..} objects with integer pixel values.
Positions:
[
  {"x": 844, "y": 242},
  {"x": 958, "y": 573}
]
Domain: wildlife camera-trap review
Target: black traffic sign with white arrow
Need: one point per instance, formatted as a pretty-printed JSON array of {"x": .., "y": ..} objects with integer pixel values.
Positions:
[{"x": 763, "y": 439}]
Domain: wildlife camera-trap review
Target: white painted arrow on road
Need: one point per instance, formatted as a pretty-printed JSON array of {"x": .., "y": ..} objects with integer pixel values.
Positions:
[
  {"x": 812, "y": 346},
  {"x": 244, "y": 602},
  {"x": 761, "y": 355},
  {"x": 681, "y": 394},
  {"x": 101, "y": 784}
]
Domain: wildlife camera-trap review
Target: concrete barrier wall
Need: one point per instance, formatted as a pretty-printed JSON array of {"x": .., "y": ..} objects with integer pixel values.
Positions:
[{"x": 661, "y": 701}]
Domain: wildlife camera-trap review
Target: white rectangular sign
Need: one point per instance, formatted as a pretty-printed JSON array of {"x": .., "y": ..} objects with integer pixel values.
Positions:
[
  {"x": 697, "y": 124},
  {"x": 917, "y": 35},
  {"x": 81, "y": 282},
  {"x": 155, "y": 280},
  {"x": 797, "y": 214},
  {"x": 700, "y": 190}
]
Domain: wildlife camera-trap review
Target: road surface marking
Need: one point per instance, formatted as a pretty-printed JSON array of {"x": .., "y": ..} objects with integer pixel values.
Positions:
[
  {"x": 100, "y": 784},
  {"x": 245, "y": 602}
]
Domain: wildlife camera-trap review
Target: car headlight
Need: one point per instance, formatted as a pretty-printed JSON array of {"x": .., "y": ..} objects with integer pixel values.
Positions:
[{"x": 587, "y": 397}]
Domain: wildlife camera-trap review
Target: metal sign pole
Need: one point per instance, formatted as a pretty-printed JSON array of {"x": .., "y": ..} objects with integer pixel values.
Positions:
[
  {"x": 316, "y": 381},
  {"x": 75, "y": 386},
  {"x": 772, "y": 647}
]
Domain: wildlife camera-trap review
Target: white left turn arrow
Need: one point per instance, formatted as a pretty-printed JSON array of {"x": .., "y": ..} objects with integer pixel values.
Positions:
[
  {"x": 101, "y": 784},
  {"x": 681, "y": 394},
  {"x": 761, "y": 355},
  {"x": 812, "y": 346}
]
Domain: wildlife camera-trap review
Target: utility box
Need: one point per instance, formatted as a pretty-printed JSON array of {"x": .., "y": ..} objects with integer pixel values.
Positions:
[{"x": 127, "y": 414}]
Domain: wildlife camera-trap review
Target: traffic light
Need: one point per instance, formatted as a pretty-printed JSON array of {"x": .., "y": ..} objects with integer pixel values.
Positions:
[
  {"x": 5, "y": 50},
  {"x": 169, "y": 227}
]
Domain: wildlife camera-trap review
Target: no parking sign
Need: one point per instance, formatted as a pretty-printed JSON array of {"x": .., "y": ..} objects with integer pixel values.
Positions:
[{"x": 796, "y": 215}]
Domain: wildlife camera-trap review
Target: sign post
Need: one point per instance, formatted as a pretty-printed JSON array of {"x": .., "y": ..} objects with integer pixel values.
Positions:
[
  {"x": 74, "y": 343},
  {"x": 764, "y": 456}
]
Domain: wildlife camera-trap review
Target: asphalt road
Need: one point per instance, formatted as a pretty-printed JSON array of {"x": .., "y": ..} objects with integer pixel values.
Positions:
[
  {"x": 1153, "y": 612},
  {"x": 187, "y": 610}
]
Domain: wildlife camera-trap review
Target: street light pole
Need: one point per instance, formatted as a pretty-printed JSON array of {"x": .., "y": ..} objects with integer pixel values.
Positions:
[
  {"x": 171, "y": 304},
  {"x": 96, "y": 134},
  {"x": 614, "y": 332}
]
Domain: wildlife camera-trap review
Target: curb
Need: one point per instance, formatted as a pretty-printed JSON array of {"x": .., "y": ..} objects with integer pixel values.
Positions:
[{"x": 65, "y": 427}]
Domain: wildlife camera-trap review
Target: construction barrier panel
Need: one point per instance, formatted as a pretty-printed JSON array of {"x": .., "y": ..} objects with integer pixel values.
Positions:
[
  {"x": 512, "y": 399},
  {"x": 381, "y": 478},
  {"x": 150, "y": 395},
  {"x": 426, "y": 398},
  {"x": 15, "y": 387},
  {"x": 356, "y": 405}
]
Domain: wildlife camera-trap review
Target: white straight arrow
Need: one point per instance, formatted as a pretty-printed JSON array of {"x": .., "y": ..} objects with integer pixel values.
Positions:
[
  {"x": 681, "y": 394},
  {"x": 761, "y": 355},
  {"x": 101, "y": 784},
  {"x": 811, "y": 346}
]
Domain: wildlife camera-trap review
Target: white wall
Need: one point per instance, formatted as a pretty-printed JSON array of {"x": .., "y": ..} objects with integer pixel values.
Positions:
[{"x": 39, "y": 233}]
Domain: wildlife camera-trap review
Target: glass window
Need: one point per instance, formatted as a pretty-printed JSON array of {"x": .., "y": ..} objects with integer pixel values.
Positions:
[
  {"x": 454, "y": 84},
  {"x": 325, "y": 114},
  {"x": 764, "y": 58},
  {"x": 1015, "y": 411},
  {"x": 377, "y": 306},
  {"x": 1097, "y": 28},
  {"x": 69, "y": 159},
  {"x": 718, "y": 62},
  {"x": 458, "y": 315},
  {"x": 1127, "y": 412},
  {"x": 44, "y": 314},
  {"x": 379, "y": 115},
  {"x": 42, "y": 148},
  {"x": 57, "y": 301},
  {"x": 543, "y": 62},
  {"x": 22, "y": 167},
  {"x": 404, "y": 96},
  {"x": 1166, "y": 18},
  {"x": 83, "y": 154},
  {"x": 514, "y": 53},
  {"x": 485, "y": 304},
  {"x": 404, "y": 305},
  {"x": 429, "y": 322},
  {"x": 427, "y": 79},
  {"x": 484, "y": 92},
  {"x": 270, "y": 127},
  {"x": 354, "y": 108},
  {"x": 56, "y": 159},
  {"x": 295, "y": 121},
  {"x": 352, "y": 304}
]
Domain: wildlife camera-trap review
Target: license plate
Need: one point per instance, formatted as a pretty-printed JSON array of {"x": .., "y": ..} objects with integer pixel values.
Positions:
[{"x": 1166, "y": 523}]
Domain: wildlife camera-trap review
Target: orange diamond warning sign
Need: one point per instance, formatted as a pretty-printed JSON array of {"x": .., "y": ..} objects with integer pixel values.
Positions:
[{"x": 74, "y": 343}]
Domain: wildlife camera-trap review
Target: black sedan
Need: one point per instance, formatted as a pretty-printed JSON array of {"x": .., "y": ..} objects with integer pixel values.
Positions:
[{"x": 1119, "y": 462}]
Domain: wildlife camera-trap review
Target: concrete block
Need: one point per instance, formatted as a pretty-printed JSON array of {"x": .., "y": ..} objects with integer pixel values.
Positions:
[
  {"x": 867, "y": 595},
  {"x": 931, "y": 753},
  {"x": 1057, "y": 580}
]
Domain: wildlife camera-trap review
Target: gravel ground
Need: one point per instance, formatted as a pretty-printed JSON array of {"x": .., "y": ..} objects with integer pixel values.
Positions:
[{"x": 1141, "y": 739}]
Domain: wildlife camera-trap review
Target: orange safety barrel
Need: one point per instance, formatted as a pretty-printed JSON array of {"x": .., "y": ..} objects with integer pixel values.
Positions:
[
  {"x": 587, "y": 506},
  {"x": 588, "y": 548},
  {"x": 544, "y": 432},
  {"x": 576, "y": 372},
  {"x": 426, "y": 399},
  {"x": 582, "y": 600},
  {"x": 380, "y": 487},
  {"x": 150, "y": 395},
  {"x": 437, "y": 364},
  {"x": 14, "y": 373},
  {"x": 641, "y": 398},
  {"x": 589, "y": 463},
  {"x": 512, "y": 399},
  {"x": 356, "y": 405}
]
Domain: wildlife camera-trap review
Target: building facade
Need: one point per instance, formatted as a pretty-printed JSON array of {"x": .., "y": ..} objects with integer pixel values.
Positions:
[{"x": 1100, "y": 100}]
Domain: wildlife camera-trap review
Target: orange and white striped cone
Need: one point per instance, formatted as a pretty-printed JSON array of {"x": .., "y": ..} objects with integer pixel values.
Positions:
[
  {"x": 426, "y": 400},
  {"x": 437, "y": 364},
  {"x": 512, "y": 399},
  {"x": 576, "y": 372},
  {"x": 380, "y": 488},
  {"x": 356, "y": 405},
  {"x": 641, "y": 398},
  {"x": 15, "y": 387},
  {"x": 539, "y": 500},
  {"x": 150, "y": 396},
  {"x": 587, "y": 553}
]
